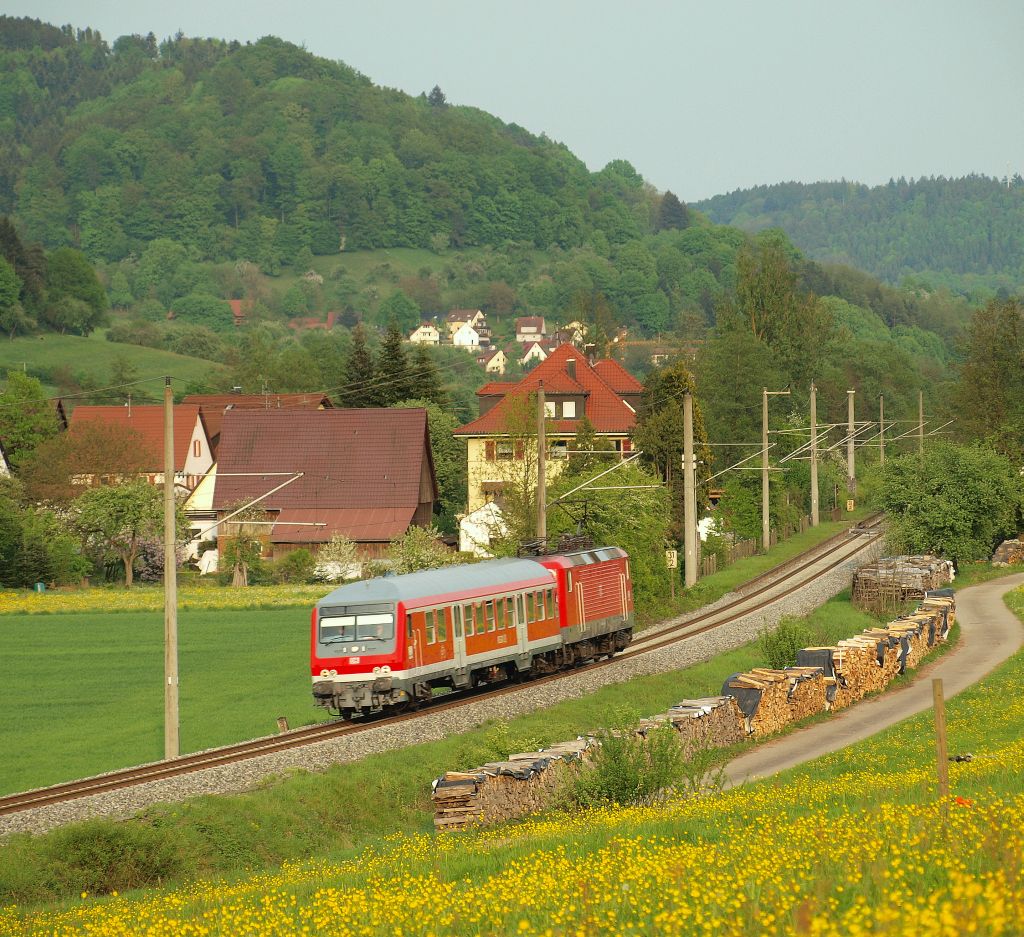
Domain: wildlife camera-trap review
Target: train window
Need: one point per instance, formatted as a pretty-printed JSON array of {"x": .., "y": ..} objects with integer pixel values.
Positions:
[
  {"x": 442, "y": 626},
  {"x": 431, "y": 632},
  {"x": 499, "y": 614},
  {"x": 568, "y": 580},
  {"x": 552, "y": 603},
  {"x": 531, "y": 607},
  {"x": 488, "y": 614},
  {"x": 540, "y": 606},
  {"x": 408, "y": 626},
  {"x": 510, "y": 615},
  {"x": 467, "y": 619},
  {"x": 457, "y": 620},
  {"x": 521, "y": 606}
]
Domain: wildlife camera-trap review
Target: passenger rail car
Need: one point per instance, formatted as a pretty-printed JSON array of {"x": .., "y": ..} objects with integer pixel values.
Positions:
[{"x": 386, "y": 643}]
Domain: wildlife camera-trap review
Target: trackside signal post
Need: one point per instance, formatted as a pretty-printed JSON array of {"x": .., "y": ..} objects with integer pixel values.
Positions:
[{"x": 171, "y": 746}]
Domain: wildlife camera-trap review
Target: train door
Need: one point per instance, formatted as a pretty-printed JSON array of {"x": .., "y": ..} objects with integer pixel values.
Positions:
[
  {"x": 458, "y": 636},
  {"x": 522, "y": 634}
]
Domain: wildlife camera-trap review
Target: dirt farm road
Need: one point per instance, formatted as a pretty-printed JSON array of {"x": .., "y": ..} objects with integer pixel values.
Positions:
[{"x": 989, "y": 634}]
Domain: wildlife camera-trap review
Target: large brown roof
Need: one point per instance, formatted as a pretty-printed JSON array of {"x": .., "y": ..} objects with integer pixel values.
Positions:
[
  {"x": 214, "y": 405},
  {"x": 606, "y": 410},
  {"x": 361, "y": 468},
  {"x": 148, "y": 422}
]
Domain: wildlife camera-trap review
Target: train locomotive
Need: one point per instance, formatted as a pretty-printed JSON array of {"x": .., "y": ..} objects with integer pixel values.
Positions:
[{"x": 383, "y": 645}]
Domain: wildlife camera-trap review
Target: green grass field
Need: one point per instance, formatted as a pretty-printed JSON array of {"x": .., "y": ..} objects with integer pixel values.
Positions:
[
  {"x": 41, "y": 354},
  {"x": 83, "y": 693}
]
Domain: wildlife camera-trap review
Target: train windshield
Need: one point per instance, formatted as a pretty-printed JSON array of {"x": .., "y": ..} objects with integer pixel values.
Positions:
[{"x": 356, "y": 623}]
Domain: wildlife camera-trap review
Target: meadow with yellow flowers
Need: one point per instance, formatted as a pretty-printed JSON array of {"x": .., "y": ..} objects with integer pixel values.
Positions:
[{"x": 854, "y": 843}]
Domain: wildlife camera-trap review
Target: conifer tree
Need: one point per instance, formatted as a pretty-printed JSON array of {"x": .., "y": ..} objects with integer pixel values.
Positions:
[
  {"x": 395, "y": 377},
  {"x": 672, "y": 213},
  {"x": 362, "y": 385},
  {"x": 427, "y": 377}
]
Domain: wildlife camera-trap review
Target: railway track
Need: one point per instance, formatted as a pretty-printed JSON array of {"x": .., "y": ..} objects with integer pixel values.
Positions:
[{"x": 755, "y": 594}]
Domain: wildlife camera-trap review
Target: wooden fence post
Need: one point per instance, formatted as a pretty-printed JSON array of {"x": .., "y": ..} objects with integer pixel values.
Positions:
[{"x": 941, "y": 752}]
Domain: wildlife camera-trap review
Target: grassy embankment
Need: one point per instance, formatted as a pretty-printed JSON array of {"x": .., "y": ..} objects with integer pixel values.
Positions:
[
  {"x": 357, "y": 803},
  {"x": 42, "y": 354},
  {"x": 82, "y": 689},
  {"x": 850, "y": 843}
]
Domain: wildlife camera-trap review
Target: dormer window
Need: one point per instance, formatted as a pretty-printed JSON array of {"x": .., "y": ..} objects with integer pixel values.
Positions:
[{"x": 569, "y": 409}]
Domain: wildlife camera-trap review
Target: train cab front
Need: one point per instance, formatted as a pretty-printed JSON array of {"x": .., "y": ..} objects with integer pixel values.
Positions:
[{"x": 355, "y": 653}]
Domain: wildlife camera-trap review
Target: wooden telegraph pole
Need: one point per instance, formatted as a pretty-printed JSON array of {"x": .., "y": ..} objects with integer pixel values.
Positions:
[
  {"x": 171, "y": 746},
  {"x": 766, "y": 529},
  {"x": 542, "y": 488},
  {"x": 814, "y": 456},
  {"x": 920, "y": 422},
  {"x": 851, "y": 475},
  {"x": 881, "y": 429},
  {"x": 689, "y": 495}
]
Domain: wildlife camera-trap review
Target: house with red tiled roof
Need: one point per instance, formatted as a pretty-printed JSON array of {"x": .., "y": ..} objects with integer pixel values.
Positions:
[
  {"x": 604, "y": 392},
  {"x": 193, "y": 455},
  {"x": 367, "y": 474},
  {"x": 215, "y": 405}
]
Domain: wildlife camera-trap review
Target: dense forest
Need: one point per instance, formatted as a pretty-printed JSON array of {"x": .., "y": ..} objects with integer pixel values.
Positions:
[{"x": 966, "y": 234}]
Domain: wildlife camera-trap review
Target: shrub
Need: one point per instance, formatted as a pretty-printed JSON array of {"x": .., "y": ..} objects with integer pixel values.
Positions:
[
  {"x": 297, "y": 566},
  {"x": 629, "y": 769},
  {"x": 100, "y": 856},
  {"x": 779, "y": 646}
]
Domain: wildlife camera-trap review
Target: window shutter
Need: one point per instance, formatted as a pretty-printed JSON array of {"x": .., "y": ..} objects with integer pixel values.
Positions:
[
  {"x": 490, "y": 450},
  {"x": 520, "y": 452}
]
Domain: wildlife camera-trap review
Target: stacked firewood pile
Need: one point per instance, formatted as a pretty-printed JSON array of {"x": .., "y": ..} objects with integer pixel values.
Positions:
[
  {"x": 894, "y": 579},
  {"x": 712, "y": 722},
  {"x": 1009, "y": 553},
  {"x": 504, "y": 790},
  {"x": 758, "y": 702}
]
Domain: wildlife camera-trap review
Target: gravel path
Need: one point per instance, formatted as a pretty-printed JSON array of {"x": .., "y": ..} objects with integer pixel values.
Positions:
[{"x": 245, "y": 775}]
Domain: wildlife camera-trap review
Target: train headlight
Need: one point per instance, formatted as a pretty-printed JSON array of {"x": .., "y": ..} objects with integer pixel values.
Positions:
[
  {"x": 385, "y": 669},
  {"x": 376, "y": 669},
  {"x": 325, "y": 673}
]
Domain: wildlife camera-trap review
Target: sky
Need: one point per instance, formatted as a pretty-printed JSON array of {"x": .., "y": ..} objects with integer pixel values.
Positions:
[{"x": 701, "y": 97}]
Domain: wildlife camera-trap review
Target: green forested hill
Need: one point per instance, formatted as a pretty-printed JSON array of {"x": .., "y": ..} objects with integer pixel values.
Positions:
[
  {"x": 259, "y": 151},
  {"x": 967, "y": 234}
]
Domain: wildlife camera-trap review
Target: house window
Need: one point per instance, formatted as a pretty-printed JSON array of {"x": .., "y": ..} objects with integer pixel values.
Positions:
[
  {"x": 569, "y": 409},
  {"x": 197, "y": 448},
  {"x": 504, "y": 450},
  {"x": 560, "y": 450},
  {"x": 549, "y": 408}
]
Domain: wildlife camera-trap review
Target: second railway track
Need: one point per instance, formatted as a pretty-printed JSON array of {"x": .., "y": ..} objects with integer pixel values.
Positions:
[{"x": 755, "y": 595}]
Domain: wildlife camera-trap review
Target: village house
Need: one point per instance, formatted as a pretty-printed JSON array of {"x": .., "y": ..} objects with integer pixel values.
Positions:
[
  {"x": 605, "y": 392},
  {"x": 366, "y": 474},
  {"x": 193, "y": 454},
  {"x": 493, "y": 362},
  {"x": 529, "y": 328},
  {"x": 458, "y": 317},
  {"x": 425, "y": 334},
  {"x": 466, "y": 337},
  {"x": 215, "y": 405},
  {"x": 530, "y": 352}
]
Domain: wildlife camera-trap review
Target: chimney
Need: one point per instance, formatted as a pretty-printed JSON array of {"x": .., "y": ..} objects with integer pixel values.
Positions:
[{"x": 570, "y": 366}]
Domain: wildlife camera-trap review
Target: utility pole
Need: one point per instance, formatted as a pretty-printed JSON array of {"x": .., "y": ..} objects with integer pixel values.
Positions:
[
  {"x": 920, "y": 423},
  {"x": 689, "y": 495},
  {"x": 171, "y": 747},
  {"x": 766, "y": 530},
  {"x": 881, "y": 429},
  {"x": 851, "y": 475},
  {"x": 542, "y": 446},
  {"x": 814, "y": 456}
]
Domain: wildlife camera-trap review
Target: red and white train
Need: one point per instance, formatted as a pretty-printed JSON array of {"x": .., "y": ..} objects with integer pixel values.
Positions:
[{"x": 387, "y": 643}]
